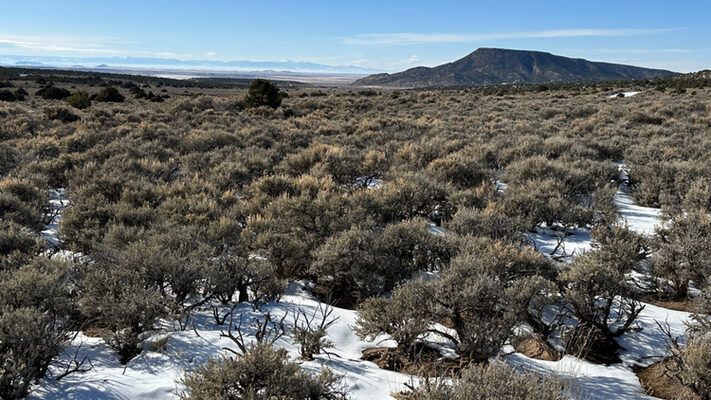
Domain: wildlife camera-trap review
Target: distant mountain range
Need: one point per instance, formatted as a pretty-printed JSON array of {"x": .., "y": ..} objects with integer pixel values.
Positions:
[
  {"x": 489, "y": 66},
  {"x": 171, "y": 63}
]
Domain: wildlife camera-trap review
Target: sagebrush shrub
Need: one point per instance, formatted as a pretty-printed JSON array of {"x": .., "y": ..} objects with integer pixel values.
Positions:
[
  {"x": 537, "y": 201},
  {"x": 232, "y": 273},
  {"x": 18, "y": 245},
  {"x": 41, "y": 284},
  {"x": 620, "y": 246},
  {"x": 20, "y": 94},
  {"x": 479, "y": 295},
  {"x": 61, "y": 114},
  {"x": 701, "y": 316},
  {"x": 309, "y": 330},
  {"x": 29, "y": 339},
  {"x": 9, "y": 158},
  {"x": 262, "y": 373},
  {"x": 664, "y": 183},
  {"x": 119, "y": 299},
  {"x": 397, "y": 316},
  {"x": 599, "y": 295},
  {"x": 492, "y": 382},
  {"x": 364, "y": 262},
  {"x": 36, "y": 310},
  {"x": 461, "y": 169},
  {"x": 14, "y": 209},
  {"x": 490, "y": 222},
  {"x": 688, "y": 363},
  {"x": 683, "y": 255}
]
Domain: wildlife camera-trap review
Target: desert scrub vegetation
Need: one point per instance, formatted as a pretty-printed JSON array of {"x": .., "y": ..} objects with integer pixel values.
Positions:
[
  {"x": 60, "y": 114},
  {"x": 263, "y": 372},
  {"x": 51, "y": 92},
  {"x": 681, "y": 259},
  {"x": 480, "y": 296},
  {"x": 15, "y": 95},
  {"x": 390, "y": 204},
  {"x": 689, "y": 357},
  {"x": 37, "y": 311},
  {"x": 79, "y": 99},
  {"x": 109, "y": 94},
  {"x": 495, "y": 382}
]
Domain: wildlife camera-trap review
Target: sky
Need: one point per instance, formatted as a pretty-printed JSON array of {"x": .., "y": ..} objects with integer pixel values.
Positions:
[{"x": 378, "y": 34}]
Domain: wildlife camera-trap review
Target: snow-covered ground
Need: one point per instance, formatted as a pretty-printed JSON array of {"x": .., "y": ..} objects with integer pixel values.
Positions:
[
  {"x": 369, "y": 182},
  {"x": 153, "y": 374},
  {"x": 592, "y": 381},
  {"x": 435, "y": 230},
  {"x": 574, "y": 242},
  {"x": 57, "y": 202},
  {"x": 595, "y": 381},
  {"x": 643, "y": 220}
]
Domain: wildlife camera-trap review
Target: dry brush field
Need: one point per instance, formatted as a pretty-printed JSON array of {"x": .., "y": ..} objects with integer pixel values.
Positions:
[{"x": 360, "y": 243}]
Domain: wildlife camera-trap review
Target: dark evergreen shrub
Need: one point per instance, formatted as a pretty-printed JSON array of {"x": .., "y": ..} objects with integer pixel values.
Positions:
[
  {"x": 6, "y": 95},
  {"x": 109, "y": 94},
  {"x": 53, "y": 93},
  {"x": 79, "y": 99},
  {"x": 262, "y": 93},
  {"x": 20, "y": 94}
]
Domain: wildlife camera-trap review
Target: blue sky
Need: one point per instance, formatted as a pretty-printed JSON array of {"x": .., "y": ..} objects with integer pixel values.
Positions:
[{"x": 385, "y": 35}]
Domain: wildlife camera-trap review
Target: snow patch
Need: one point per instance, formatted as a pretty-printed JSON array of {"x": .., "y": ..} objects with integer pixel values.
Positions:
[
  {"x": 561, "y": 244},
  {"x": 643, "y": 220},
  {"x": 435, "y": 230},
  {"x": 153, "y": 374},
  {"x": 370, "y": 183},
  {"x": 57, "y": 203},
  {"x": 618, "y": 381},
  {"x": 624, "y": 94}
]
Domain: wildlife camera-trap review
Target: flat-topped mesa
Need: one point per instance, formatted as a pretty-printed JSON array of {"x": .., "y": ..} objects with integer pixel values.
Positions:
[{"x": 492, "y": 66}]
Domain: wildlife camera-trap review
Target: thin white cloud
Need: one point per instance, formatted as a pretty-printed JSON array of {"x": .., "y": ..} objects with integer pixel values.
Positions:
[
  {"x": 78, "y": 46},
  {"x": 56, "y": 44},
  {"x": 399, "y": 39}
]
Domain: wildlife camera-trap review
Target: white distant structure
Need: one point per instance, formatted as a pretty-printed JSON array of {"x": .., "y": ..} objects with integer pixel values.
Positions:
[{"x": 621, "y": 94}]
